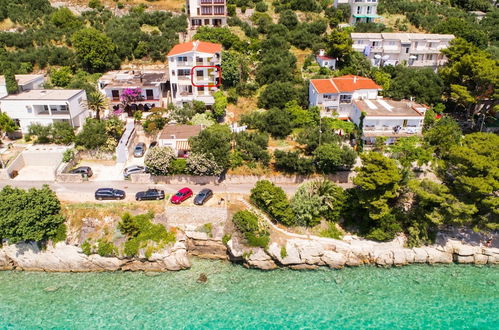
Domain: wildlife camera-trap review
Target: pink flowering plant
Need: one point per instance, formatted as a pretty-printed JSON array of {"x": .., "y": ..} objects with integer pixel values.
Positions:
[{"x": 131, "y": 95}]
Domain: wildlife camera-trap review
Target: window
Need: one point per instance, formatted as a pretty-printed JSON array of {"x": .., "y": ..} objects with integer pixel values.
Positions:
[
  {"x": 173, "y": 72},
  {"x": 345, "y": 98},
  {"x": 358, "y": 9},
  {"x": 407, "y": 50},
  {"x": 219, "y": 10},
  {"x": 46, "y": 108},
  {"x": 199, "y": 73},
  {"x": 63, "y": 107},
  {"x": 29, "y": 108},
  {"x": 53, "y": 108},
  {"x": 181, "y": 58},
  {"x": 149, "y": 94},
  {"x": 116, "y": 94},
  {"x": 205, "y": 10},
  {"x": 184, "y": 72},
  {"x": 200, "y": 89},
  {"x": 368, "y": 9}
]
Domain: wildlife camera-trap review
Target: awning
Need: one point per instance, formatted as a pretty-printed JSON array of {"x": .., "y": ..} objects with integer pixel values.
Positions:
[
  {"x": 182, "y": 145},
  {"x": 365, "y": 16}
]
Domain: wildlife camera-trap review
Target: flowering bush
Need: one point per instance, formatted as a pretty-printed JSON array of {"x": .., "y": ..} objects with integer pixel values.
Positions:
[
  {"x": 131, "y": 95},
  {"x": 199, "y": 164},
  {"x": 159, "y": 159}
]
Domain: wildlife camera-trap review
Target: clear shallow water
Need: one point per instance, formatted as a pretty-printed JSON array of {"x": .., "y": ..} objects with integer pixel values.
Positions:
[{"x": 409, "y": 297}]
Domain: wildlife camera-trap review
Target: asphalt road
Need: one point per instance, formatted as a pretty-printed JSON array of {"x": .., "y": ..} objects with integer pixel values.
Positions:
[{"x": 82, "y": 192}]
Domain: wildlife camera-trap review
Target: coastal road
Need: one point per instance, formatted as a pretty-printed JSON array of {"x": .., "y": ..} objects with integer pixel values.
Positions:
[{"x": 84, "y": 192}]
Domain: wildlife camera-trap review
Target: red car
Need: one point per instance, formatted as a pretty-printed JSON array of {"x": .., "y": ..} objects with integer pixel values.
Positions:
[{"x": 181, "y": 196}]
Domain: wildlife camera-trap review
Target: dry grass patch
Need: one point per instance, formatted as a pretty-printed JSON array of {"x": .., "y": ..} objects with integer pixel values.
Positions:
[
  {"x": 300, "y": 55},
  {"x": 244, "y": 106},
  {"x": 76, "y": 212},
  {"x": 390, "y": 21},
  {"x": 170, "y": 5}
]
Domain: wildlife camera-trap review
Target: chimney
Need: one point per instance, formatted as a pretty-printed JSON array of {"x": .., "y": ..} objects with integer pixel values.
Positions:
[
  {"x": 354, "y": 79},
  {"x": 321, "y": 52},
  {"x": 195, "y": 43}
]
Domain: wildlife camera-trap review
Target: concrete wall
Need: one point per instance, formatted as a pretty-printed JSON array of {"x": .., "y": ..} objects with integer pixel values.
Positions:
[
  {"x": 62, "y": 174},
  {"x": 15, "y": 165},
  {"x": 340, "y": 177}
]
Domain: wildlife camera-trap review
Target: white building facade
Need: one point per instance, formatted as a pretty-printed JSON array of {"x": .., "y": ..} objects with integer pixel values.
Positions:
[
  {"x": 388, "y": 118},
  {"x": 25, "y": 82},
  {"x": 414, "y": 49},
  {"x": 362, "y": 11},
  {"x": 151, "y": 83},
  {"x": 335, "y": 95},
  {"x": 207, "y": 13},
  {"x": 45, "y": 106},
  {"x": 194, "y": 69},
  {"x": 325, "y": 61}
]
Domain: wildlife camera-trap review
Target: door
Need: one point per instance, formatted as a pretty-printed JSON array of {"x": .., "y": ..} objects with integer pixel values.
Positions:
[
  {"x": 404, "y": 124},
  {"x": 116, "y": 95},
  {"x": 149, "y": 94}
]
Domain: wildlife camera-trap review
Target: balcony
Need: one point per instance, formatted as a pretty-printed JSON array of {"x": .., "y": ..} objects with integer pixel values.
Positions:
[
  {"x": 386, "y": 130},
  {"x": 185, "y": 63}
]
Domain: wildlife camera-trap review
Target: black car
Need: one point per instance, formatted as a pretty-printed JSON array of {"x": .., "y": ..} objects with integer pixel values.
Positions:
[
  {"x": 109, "y": 193},
  {"x": 203, "y": 196},
  {"x": 150, "y": 194},
  {"x": 83, "y": 171}
]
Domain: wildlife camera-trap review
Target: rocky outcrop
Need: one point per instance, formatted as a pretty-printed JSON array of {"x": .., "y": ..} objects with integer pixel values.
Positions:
[
  {"x": 300, "y": 253},
  {"x": 202, "y": 245},
  {"x": 69, "y": 258}
]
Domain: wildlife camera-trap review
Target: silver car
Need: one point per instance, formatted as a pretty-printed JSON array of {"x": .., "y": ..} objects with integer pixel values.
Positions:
[
  {"x": 134, "y": 169},
  {"x": 139, "y": 150}
]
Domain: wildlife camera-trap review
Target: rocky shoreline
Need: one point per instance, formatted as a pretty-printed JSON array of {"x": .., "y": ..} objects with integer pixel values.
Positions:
[{"x": 296, "y": 253}]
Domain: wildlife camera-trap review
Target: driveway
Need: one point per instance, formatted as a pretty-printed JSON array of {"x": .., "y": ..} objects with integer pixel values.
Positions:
[
  {"x": 104, "y": 170},
  {"x": 36, "y": 173}
]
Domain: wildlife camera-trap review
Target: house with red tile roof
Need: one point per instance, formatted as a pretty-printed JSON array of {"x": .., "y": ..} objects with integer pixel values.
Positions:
[
  {"x": 192, "y": 67},
  {"x": 335, "y": 95},
  {"x": 325, "y": 61},
  {"x": 353, "y": 97}
]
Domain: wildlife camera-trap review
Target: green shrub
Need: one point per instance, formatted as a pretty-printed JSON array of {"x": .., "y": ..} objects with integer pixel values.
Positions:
[
  {"x": 284, "y": 253},
  {"x": 86, "y": 248},
  {"x": 68, "y": 155},
  {"x": 132, "y": 247},
  {"x": 207, "y": 228},
  {"x": 331, "y": 232},
  {"x": 226, "y": 238},
  {"x": 178, "y": 166},
  {"x": 105, "y": 248},
  {"x": 261, "y": 7},
  {"x": 60, "y": 235},
  {"x": 273, "y": 201},
  {"x": 248, "y": 224}
]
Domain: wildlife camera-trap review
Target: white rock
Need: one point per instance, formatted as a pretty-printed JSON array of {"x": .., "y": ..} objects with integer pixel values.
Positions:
[
  {"x": 334, "y": 259},
  {"x": 480, "y": 259},
  {"x": 420, "y": 255}
]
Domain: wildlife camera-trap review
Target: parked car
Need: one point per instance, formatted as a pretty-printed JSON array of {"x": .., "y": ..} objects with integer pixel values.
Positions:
[
  {"x": 134, "y": 169},
  {"x": 109, "y": 193},
  {"x": 139, "y": 150},
  {"x": 153, "y": 144},
  {"x": 181, "y": 195},
  {"x": 150, "y": 194},
  {"x": 203, "y": 196},
  {"x": 83, "y": 170}
]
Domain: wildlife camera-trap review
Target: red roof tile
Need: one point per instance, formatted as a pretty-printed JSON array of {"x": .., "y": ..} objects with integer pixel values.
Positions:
[
  {"x": 351, "y": 83},
  {"x": 200, "y": 46},
  {"x": 324, "y": 86}
]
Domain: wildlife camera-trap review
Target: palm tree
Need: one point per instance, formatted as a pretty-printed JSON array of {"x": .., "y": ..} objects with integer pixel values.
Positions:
[{"x": 96, "y": 102}]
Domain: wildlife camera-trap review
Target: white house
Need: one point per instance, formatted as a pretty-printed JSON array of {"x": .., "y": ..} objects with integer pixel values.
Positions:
[
  {"x": 194, "y": 69},
  {"x": 388, "y": 118},
  {"x": 325, "y": 61},
  {"x": 177, "y": 137},
  {"x": 335, "y": 95},
  {"x": 152, "y": 84},
  {"x": 415, "y": 49},
  {"x": 45, "y": 106},
  {"x": 362, "y": 11},
  {"x": 207, "y": 13},
  {"x": 25, "y": 82}
]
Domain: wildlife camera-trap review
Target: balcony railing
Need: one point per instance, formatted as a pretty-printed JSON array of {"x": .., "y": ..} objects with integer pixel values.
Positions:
[{"x": 393, "y": 129}]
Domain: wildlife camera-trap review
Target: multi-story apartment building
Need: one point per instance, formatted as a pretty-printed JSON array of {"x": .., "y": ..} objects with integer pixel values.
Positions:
[
  {"x": 362, "y": 11},
  {"x": 335, "y": 95},
  {"x": 351, "y": 97},
  {"x": 25, "y": 82},
  {"x": 45, "y": 106},
  {"x": 194, "y": 69},
  {"x": 415, "y": 49},
  {"x": 152, "y": 84},
  {"x": 207, "y": 12}
]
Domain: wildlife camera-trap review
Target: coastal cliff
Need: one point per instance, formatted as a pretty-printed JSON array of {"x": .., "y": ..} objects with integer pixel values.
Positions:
[
  {"x": 300, "y": 253},
  {"x": 63, "y": 257},
  {"x": 296, "y": 253}
]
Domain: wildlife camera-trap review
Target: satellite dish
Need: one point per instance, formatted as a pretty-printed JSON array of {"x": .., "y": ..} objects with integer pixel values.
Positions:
[
  {"x": 377, "y": 56},
  {"x": 385, "y": 57}
]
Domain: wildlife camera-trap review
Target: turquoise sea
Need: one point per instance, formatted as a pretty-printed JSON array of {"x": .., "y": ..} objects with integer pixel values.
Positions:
[{"x": 438, "y": 297}]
